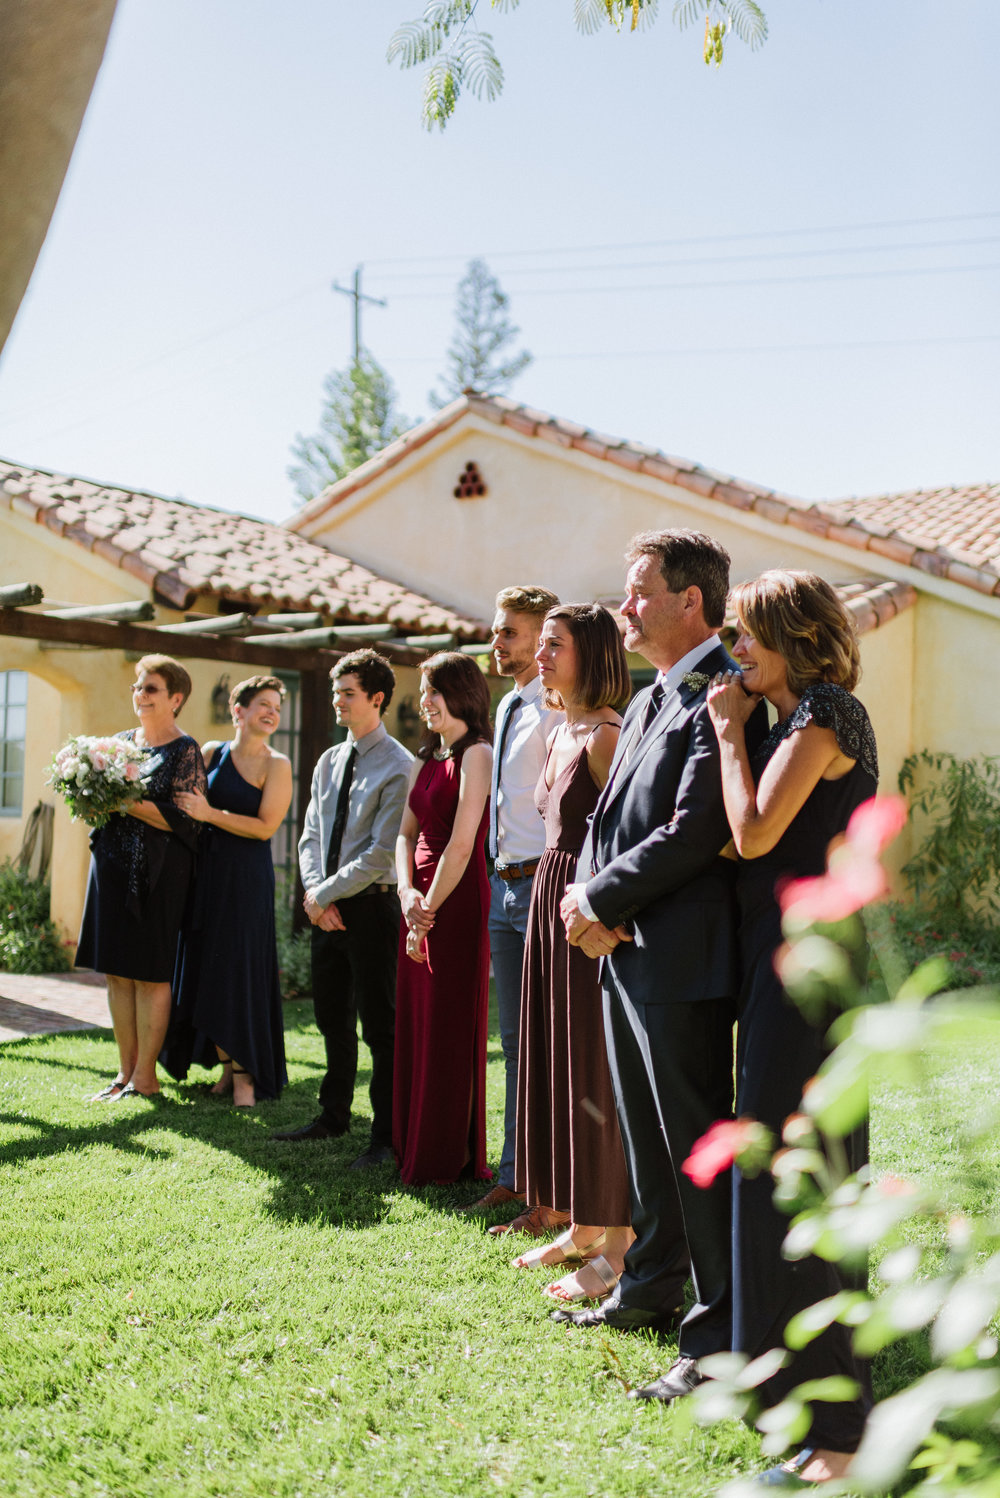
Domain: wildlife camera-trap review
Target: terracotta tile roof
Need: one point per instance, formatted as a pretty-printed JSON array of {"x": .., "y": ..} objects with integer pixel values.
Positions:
[
  {"x": 950, "y": 533},
  {"x": 871, "y": 601},
  {"x": 953, "y": 532},
  {"x": 183, "y": 551}
]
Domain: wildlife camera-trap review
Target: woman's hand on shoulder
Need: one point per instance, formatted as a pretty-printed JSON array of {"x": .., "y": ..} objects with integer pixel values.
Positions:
[
  {"x": 729, "y": 703},
  {"x": 209, "y": 748}
]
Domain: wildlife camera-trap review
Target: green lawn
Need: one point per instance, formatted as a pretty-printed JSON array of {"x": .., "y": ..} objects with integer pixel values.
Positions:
[{"x": 191, "y": 1309}]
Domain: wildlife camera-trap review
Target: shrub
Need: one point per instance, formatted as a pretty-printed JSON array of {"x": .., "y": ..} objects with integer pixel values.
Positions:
[
  {"x": 29, "y": 942},
  {"x": 954, "y": 875}
]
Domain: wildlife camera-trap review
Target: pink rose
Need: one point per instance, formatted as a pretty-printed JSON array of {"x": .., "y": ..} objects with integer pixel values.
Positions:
[
  {"x": 99, "y": 762},
  {"x": 724, "y": 1143},
  {"x": 132, "y": 772}
]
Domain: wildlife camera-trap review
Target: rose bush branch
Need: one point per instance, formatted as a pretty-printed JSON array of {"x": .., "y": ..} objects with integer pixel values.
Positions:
[{"x": 938, "y": 1259}]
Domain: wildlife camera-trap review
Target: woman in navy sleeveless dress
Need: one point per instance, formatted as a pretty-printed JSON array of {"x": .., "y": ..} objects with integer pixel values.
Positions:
[
  {"x": 442, "y": 984},
  {"x": 817, "y": 765},
  {"x": 227, "y": 1004},
  {"x": 569, "y": 1148}
]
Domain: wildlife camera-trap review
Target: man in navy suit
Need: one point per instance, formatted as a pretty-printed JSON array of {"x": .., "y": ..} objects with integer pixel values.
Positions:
[{"x": 656, "y": 902}]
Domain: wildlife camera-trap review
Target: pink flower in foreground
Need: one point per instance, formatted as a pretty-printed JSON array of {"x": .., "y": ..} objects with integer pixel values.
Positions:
[
  {"x": 836, "y": 895},
  {"x": 876, "y": 823},
  {"x": 855, "y": 876},
  {"x": 132, "y": 772},
  {"x": 895, "y": 1185},
  {"x": 716, "y": 1150}
]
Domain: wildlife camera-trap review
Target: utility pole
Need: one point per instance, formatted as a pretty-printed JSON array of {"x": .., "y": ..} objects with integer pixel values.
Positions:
[{"x": 357, "y": 296}]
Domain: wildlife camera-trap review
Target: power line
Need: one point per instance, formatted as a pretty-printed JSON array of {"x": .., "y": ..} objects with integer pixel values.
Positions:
[
  {"x": 713, "y": 285},
  {"x": 736, "y": 349},
  {"x": 620, "y": 265},
  {"x": 652, "y": 244}
]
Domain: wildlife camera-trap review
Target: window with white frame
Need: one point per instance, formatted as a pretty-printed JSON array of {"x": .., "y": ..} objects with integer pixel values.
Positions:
[{"x": 13, "y": 726}]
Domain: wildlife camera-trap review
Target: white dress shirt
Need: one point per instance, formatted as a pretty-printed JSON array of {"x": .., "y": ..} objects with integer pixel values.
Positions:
[{"x": 520, "y": 830}]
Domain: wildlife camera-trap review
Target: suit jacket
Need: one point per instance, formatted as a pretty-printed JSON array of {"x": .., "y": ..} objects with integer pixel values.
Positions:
[{"x": 651, "y": 860}]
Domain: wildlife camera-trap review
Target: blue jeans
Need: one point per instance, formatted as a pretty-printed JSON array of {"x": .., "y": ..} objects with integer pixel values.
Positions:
[{"x": 508, "y": 926}]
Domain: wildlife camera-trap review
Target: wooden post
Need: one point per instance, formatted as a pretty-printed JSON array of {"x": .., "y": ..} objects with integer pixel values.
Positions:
[{"x": 314, "y": 737}]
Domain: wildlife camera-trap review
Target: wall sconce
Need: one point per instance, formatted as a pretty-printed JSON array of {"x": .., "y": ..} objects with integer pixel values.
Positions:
[{"x": 220, "y": 701}]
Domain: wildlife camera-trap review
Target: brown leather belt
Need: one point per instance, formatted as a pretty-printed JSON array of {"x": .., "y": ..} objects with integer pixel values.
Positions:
[{"x": 510, "y": 871}]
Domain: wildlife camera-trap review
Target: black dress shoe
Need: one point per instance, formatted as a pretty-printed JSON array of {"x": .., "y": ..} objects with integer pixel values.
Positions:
[
  {"x": 680, "y": 1378},
  {"x": 315, "y": 1130},
  {"x": 376, "y": 1154},
  {"x": 620, "y": 1318}
]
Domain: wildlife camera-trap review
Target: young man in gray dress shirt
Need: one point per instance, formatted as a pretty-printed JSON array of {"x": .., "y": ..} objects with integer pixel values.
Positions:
[
  {"x": 346, "y": 859},
  {"x": 517, "y": 840}
]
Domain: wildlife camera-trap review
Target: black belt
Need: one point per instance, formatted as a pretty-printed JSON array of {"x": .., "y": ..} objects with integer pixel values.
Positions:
[
  {"x": 511, "y": 871},
  {"x": 373, "y": 889}
]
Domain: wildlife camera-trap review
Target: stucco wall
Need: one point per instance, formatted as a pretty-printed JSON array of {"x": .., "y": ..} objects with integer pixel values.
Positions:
[
  {"x": 89, "y": 691},
  {"x": 561, "y": 518}
]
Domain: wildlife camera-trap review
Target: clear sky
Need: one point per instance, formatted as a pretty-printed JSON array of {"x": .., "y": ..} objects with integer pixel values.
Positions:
[{"x": 786, "y": 269}]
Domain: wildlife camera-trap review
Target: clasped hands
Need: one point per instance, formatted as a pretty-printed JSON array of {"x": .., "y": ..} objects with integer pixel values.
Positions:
[
  {"x": 326, "y": 917},
  {"x": 592, "y": 937},
  {"x": 419, "y": 920}
]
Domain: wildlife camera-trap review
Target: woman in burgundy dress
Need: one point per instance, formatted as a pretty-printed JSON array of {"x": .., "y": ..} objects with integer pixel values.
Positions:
[
  {"x": 442, "y": 988},
  {"x": 569, "y": 1149}
]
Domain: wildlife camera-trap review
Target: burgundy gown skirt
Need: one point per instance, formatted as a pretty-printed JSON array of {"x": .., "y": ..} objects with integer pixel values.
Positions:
[
  {"x": 442, "y": 1006},
  {"x": 569, "y": 1148}
]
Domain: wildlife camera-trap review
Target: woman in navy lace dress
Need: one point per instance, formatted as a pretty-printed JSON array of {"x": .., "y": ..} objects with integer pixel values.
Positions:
[
  {"x": 797, "y": 648},
  {"x": 140, "y": 870},
  {"x": 227, "y": 1005}
]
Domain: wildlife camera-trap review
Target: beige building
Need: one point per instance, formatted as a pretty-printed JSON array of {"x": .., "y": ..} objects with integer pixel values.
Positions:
[
  {"x": 489, "y": 492},
  {"x": 88, "y": 544},
  {"x": 485, "y": 494}
]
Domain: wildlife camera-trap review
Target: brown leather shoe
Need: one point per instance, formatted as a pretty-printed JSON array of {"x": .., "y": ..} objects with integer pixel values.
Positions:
[
  {"x": 536, "y": 1222},
  {"x": 498, "y": 1197}
]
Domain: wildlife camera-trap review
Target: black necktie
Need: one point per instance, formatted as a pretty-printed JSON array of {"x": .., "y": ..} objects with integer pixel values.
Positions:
[
  {"x": 649, "y": 712},
  {"x": 516, "y": 703},
  {"x": 340, "y": 816}
]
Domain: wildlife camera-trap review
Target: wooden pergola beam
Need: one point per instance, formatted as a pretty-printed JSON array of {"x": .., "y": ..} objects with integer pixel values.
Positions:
[{"x": 250, "y": 651}]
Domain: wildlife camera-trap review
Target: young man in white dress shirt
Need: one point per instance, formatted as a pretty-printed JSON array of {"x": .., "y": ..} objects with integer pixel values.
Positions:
[
  {"x": 517, "y": 841},
  {"x": 347, "y": 863}
]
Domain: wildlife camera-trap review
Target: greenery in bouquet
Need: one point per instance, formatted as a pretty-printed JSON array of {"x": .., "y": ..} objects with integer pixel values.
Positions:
[
  {"x": 97, "y": 777},
  {"x": 929, "y": 1317}
]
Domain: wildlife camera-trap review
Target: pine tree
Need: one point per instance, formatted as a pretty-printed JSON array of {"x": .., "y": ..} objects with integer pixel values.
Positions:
[
  {"x": 359, "y": 419},
  {"x": 483, "y": 333}
]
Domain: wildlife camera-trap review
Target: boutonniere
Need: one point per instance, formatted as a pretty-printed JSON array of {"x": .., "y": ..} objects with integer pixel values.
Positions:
[{"x": 696, "y": 680}]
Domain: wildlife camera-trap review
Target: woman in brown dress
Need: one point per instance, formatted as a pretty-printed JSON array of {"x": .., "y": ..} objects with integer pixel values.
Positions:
[{"x": 569, "y": 1150}]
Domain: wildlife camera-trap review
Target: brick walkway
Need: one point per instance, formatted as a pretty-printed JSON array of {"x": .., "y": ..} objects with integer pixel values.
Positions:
[{"x": 57, "y": 1001}]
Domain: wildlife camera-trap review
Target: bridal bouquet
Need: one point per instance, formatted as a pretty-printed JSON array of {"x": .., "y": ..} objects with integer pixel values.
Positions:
[{"x": 97, "y": 777}]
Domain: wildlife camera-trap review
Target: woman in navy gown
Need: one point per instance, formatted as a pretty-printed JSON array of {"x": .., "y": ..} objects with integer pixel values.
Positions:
[
  {"x": 227, "y": 1003},
  {"x": 442, "y": 986},
  {"x": 140, "y": 871},
  {"x": 797, "y": 648}
]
